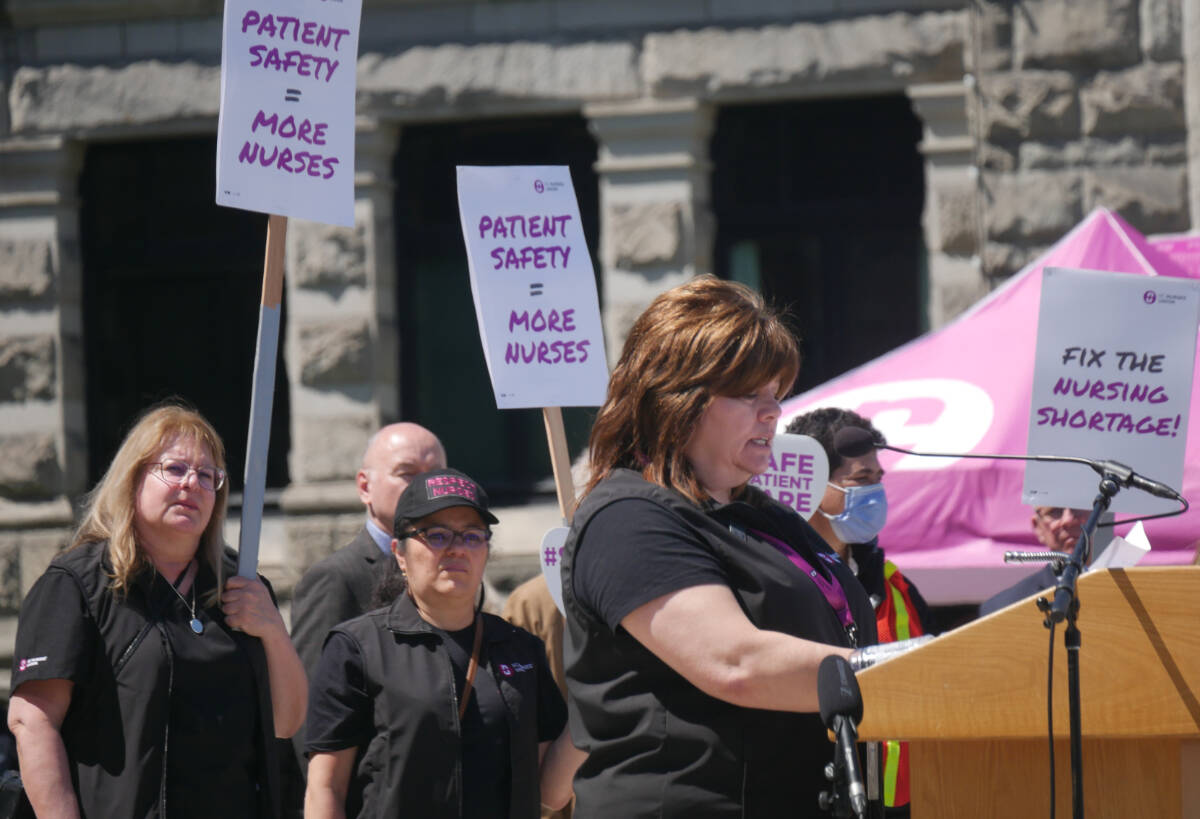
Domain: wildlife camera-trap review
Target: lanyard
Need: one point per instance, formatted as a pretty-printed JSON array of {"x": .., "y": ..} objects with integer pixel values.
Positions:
[
  {"x": 835, "y": 595},
  {"x": 472, "y": 667}
]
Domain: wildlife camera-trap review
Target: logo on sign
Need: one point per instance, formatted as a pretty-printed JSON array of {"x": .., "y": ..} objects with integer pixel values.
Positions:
[
  {"x": 937, "y": 414},
  {"x": 1149, "y": 297},
  {"x": 539, "y": 186}
]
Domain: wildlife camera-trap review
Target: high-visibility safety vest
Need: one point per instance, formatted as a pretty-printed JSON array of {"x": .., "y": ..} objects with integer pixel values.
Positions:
[{"x": 896, "y": 619}]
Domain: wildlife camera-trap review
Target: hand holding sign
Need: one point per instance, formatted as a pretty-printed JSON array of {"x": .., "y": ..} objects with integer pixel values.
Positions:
[{"x": 798, "y": 473}]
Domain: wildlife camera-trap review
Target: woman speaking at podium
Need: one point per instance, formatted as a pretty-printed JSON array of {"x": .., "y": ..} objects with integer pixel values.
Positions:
[{"x": 698, "y": 609}]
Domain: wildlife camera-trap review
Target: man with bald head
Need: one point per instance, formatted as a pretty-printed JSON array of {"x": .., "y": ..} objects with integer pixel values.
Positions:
[{"x": 339, "y": 587}]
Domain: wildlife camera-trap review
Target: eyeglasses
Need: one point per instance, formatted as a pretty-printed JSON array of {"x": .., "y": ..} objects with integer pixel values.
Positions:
[
  {"x": 173, "y": 473},
  {"x": 443, "y": 537},
  {"x": 1053, "y": 513}
]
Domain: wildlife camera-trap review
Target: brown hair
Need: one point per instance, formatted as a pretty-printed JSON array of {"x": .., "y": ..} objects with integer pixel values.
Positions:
[
  {"x": 702, "y": 339},
  {"x": 109, "y": 512}
]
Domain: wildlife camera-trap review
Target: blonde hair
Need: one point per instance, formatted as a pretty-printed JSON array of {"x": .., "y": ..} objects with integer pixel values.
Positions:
[
  {"x": 109, "y": 511},
  {"x": 699, "y": 340}
]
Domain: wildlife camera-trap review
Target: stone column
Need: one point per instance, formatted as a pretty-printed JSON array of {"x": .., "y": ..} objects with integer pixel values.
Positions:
[
  {"x": 343, "y": 353},
  {"x": 656, "y": 221},
  {"x": 43, "y": 435},
  {"x": 952, "y": 205}
]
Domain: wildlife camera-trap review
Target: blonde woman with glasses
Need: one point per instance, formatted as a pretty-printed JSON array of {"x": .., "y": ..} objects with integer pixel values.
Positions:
[{"x": 146, "y": 681}]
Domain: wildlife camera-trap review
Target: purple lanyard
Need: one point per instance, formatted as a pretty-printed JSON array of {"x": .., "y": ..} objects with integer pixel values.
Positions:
[{"x": 835, "y": 595}]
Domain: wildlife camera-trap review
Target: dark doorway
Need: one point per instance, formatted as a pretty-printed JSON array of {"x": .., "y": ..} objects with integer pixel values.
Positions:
[
  {"x": 818, "y": 205},
  {"x": 171, "y": 291},
  {"x": 444, "y": 378}
]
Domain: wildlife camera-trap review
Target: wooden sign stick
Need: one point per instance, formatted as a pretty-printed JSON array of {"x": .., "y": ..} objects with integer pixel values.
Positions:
[
  {"x": 560, "y": 460},
  {"x": 262, "y": 397}
]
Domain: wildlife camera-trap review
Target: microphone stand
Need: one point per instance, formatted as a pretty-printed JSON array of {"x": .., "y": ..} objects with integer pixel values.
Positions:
[
  {"x": 1066, "y": 607},
  {"x": 1113, "y": 476}
]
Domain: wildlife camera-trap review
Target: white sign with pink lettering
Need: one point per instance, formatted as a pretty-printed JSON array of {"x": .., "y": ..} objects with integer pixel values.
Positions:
[
  {"x": 285, "y": 141},
  {"x": 534, "y": 286},
  {"x": 1112, "y": 381},
  {"x": 798, "y": 473}
]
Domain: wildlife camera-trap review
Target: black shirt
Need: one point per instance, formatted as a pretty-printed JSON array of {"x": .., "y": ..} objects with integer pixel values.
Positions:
[
  {"x": 484, "y": 733},
  {"x": 623, "y": 573},
  {"x": 377, "y": 689},
  {"x": 152, "y": 702},
  {"x": 213, "y": 722},
  {"x": 657, "y": 745}
]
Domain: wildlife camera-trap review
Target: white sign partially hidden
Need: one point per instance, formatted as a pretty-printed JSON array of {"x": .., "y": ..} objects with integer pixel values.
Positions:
[
  {"x": 285, "y": 142},
  {"x": 1124, "y": 552},
  {"x": 798, "y": 473},
  {"x": 550, "y": 556},
  {"x": 534, "y": 286},
  {"x": 1112, "y": 381}
]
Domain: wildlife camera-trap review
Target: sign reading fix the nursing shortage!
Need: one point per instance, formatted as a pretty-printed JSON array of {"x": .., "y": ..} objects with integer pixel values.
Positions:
[
  {"x": 1112, "y": 381},
  {"x": 285, "y": 143},
  {"x": 534, "y": 286}
]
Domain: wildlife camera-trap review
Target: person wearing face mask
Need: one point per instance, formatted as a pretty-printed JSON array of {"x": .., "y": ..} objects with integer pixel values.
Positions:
[{"x": 850, "y": 516}]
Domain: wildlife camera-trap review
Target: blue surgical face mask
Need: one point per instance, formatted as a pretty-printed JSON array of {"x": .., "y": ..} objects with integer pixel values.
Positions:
[{"x": 863, "y": 516}]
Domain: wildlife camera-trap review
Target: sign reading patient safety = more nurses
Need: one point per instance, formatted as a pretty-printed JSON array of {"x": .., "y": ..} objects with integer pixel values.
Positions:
[
  {"x": 285, "y": 143},
  {"x": 534, "y": 286}
]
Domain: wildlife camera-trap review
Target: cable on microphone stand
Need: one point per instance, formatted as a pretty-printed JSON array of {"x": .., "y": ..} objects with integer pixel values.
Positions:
[{"x": 853, "y": 442}]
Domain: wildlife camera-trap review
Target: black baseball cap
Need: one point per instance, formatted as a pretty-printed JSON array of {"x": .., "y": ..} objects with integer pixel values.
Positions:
[{"x": 440, "y": 489}]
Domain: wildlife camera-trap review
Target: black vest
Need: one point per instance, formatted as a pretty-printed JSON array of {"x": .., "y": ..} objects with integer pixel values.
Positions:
[
  {"x": 658, "y": 746},
  {"x": 112, "y": 717},
  {"x": 412, "y": 767}
]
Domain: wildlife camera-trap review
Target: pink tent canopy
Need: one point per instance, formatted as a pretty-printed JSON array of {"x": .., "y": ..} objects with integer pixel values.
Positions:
[{"x": 967, "y": 388}]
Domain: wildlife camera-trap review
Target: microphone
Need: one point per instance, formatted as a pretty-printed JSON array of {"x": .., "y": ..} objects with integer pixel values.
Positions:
[
  {"x": 1125, "y": 476},
  {"x": 854, "y": 442},
  {"x": 841, "y": 706}
]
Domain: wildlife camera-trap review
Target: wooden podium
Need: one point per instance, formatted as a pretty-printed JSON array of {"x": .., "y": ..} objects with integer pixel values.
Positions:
[{"x": 973, "y": 705}]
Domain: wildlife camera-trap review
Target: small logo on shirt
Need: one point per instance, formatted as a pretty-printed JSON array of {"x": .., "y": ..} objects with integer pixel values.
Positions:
[
  {"x": 508, "y": 670},
  {"x": 30, "y": 662}
]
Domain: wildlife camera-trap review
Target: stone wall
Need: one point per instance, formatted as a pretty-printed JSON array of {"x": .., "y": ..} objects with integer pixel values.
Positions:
[
  {"x": 1033, "y": 114},
  {"x": 1077, "y": 106}
]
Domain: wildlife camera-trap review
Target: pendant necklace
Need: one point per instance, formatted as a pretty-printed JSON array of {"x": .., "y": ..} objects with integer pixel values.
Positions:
[{"x": 196, "y": 625}]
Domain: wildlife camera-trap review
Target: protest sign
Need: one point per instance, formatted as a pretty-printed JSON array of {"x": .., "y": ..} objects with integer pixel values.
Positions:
[
  {"x": 285, "y": 141},
  {"x": 285, "y": 146},
  {"x": 798, "y": 473},
  {"x": 550, "y": 556},
  {"x": 1112, "y": 381},
  {"x": 534, "y": 286}
]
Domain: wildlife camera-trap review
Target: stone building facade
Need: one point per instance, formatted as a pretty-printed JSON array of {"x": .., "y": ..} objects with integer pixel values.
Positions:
[{"x": 1031, "y": 113}]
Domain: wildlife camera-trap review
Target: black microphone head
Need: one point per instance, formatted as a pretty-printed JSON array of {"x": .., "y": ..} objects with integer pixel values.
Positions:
[
  {"x": 838, "y": 694},
  {"x": 853, "y": 442}
]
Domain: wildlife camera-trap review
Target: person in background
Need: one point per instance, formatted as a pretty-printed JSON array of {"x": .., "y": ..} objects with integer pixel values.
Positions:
[
  {"x": 698, "y": 609},
  {"x": 430, "y": 707},
  {"x": 149, "y": 682},
  {"x": 531, "y": 607},
  {"x": 1058, "y": 528},
  {"x": 339, "y": 587},
  {"x": 850, "y": 516}
]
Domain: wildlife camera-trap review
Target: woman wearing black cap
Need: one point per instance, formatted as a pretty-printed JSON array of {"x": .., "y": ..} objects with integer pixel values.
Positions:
[{"x": 429, "y": 707}]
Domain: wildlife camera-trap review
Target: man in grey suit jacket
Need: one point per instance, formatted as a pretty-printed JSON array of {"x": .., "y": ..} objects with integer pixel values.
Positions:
[{"x": 339, "y": 587}]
